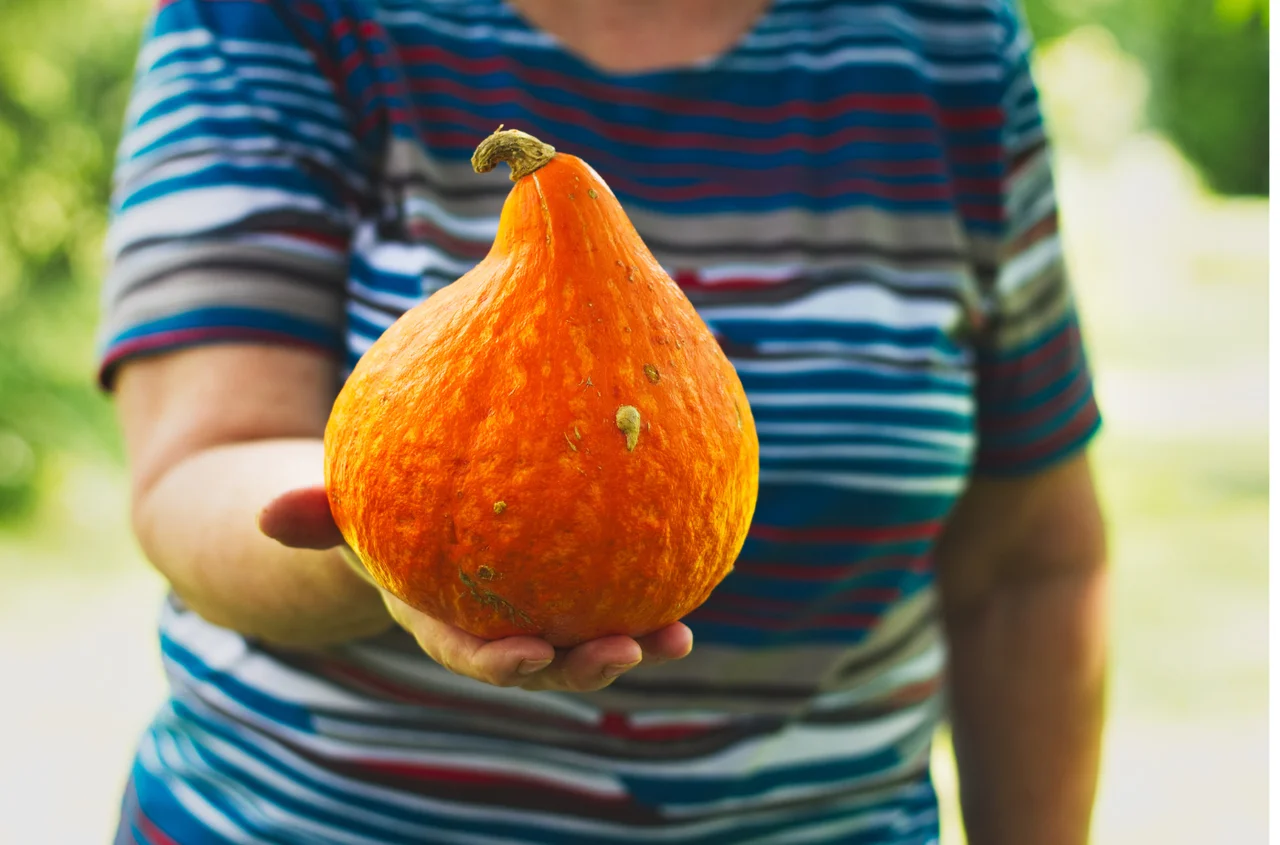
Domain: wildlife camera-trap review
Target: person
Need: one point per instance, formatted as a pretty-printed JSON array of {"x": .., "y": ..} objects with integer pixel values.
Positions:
[{"x": 857, "y": 198}]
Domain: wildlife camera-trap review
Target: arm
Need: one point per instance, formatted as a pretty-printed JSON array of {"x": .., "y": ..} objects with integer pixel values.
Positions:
[
  {"x": 214, "y": 434},
  {"x": 1022, "y": 577},
  {"x": 225, "y": 446}
]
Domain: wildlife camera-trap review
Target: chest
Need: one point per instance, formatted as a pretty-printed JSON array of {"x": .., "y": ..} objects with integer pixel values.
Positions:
[{"x": 814, "y": 193}]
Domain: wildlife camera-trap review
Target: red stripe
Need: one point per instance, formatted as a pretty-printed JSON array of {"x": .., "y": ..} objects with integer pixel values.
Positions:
[
  {"x": 647, "y": 137},
  {"x": 153, "y": 834},
  {"x": 335, "y": 242},
  {"x": 1043, "y": 228},
  {"x": 831, "y": 621},
  {"x": 848, "y": 534},
  {"x": 992, "y": 424},
  {"x": 1030, "y": 453},
  {"x": 806, "y": 572},
  {"x": 619, "y": 725},
  {"x": 420, "y": 771},
  {"x": 730, "y": 603},
  {"x": 527, "y": 77},
  {"x": 179, "y": 337},
  {"x": 997, "y": 371},
  {"x": 421, "y": 229},
  {"x": 692, "y": 280}
]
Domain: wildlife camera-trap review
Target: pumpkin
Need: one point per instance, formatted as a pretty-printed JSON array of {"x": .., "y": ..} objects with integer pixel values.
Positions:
[{"x": 554, "y": 444}]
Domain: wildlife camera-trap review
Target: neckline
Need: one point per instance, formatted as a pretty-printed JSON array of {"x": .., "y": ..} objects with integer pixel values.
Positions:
[{"x": 707, "y": 63}]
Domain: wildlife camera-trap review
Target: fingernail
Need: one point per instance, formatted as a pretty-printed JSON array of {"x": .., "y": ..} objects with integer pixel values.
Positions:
[
  {"x": 613, "y": 670},
  {"x": 528, "y": 667}
]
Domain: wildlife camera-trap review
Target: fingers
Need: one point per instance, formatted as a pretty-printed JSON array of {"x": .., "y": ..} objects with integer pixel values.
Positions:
[
  {"x": 502, "y": 663},
  {"x": 589, "y": 667},
  {"x": 670, "y": 643},
  {"x": 597, "y": 664},
  {"x": 532, "y": 663},
  {"x": 300, "y": 519}
]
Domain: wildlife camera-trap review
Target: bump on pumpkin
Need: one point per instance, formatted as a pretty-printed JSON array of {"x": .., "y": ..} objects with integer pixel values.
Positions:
[{"x": 628, "y": 420}]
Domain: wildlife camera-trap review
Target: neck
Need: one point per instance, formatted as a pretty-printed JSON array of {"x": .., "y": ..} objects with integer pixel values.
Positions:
[{"x": 643, "y": 35}]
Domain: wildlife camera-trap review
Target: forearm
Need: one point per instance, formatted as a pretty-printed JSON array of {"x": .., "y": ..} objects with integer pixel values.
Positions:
[
  {"x": 197, "y": 524},
  {"x": 1027, "y": 687}
]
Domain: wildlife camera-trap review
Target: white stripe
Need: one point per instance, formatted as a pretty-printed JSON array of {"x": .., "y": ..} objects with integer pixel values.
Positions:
[
  {"x": 227, "y": 652},
  {"x": 1029, "y": 264},
  {"x": 842, "y": 450},
  {"x": 359, "y": 742},
  {"x": 358, "y": 344},
  {"x": 712, "y": 276},
  {"x": 799, "y": 30},
  {"x": 319, "y": 84},
  {"x": 380, "y": 319},
  {"x": 282, "y": 819},
  {"x": 795, "y": 745},
  {"x": 181, "y": 753},
  {"x": 854, "y": 58},
  {"x": 680, "y": 831},
  {"x": 165, "y": 45},
  {"x": 154, "y": 130},
  {"x": 156, "y": 764},
  {"x": 202, "y": 209},
  {"x": 229, "y": 149},
  {"x": 478, "y": 32},
  {"x": 413, "y": 260},
  {"x": 199, "y": 73},
  {"x": 1045, "y": 204},
  {"x": 957, "y": 357},
  {"x": 950, "y": 403},
  {"x": 301, "y": 246},
  {"x": 852, "y": 303},
  {"x": 480, "y": 229},
  {"x": 824, "y": 365},
  {"x": 939, "y": 485},
  {"x": 397, "y": 301},
  {"x": 897, "y": 820},
  {"x": 678, "y": 718},
  {"x": 818, "y": 430},
  {"x": 918, "y": 668},
  {"x": 416, "y": 671},
  {"x": 188, "y": 165},
  {"x": 245, "y": 47}
]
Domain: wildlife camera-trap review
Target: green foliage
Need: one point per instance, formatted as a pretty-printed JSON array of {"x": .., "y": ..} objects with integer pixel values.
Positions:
[
  {"x": 1208, "y": 65},
  {"x": 64, "y": 73}
]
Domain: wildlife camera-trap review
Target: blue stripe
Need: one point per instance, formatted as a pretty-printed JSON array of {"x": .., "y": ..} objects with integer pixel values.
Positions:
[
  {"x": 235, "y": 318},
  {"x": 289, "y": 715}
]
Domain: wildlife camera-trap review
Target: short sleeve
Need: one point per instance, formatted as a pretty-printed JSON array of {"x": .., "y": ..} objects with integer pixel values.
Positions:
[
  {"x": 1036, "y": 401},
  {"x": 236, "y": 186}
]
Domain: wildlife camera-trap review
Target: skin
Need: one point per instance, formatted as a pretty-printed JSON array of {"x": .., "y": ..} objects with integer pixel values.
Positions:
[
  {"x": 225, "y": 448},
  {"x": 1023, "y": 581}
]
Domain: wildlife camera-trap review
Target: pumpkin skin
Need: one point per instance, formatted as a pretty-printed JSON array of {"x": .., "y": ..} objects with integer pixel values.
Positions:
[{"x": 554, "y": 445}]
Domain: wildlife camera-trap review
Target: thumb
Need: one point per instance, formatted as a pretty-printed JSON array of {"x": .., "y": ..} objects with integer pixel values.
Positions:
[{"x": 300, "y": 519}]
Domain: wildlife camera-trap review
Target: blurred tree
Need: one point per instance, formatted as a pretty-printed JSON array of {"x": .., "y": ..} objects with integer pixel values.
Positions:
[
  {"x": 64, "y": 73},
  {"x": 1208, "y": 62}
]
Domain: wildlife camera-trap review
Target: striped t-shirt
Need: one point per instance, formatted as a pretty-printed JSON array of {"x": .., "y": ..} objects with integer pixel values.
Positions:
[{"x": 857, "y": 198}]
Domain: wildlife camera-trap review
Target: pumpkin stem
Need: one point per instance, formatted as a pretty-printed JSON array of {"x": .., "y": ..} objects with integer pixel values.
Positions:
[{"x": 523, "y": 152}]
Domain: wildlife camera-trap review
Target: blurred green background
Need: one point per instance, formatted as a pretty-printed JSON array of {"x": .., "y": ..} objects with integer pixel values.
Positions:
[{"x": 1160, "y": 112}]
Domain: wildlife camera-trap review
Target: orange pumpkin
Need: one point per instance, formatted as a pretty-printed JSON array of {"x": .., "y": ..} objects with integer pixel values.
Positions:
[{"x": 553, "y": 445}]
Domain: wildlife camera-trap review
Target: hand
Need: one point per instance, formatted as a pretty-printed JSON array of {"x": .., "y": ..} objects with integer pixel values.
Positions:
[{"x": 301, "y": 519}]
